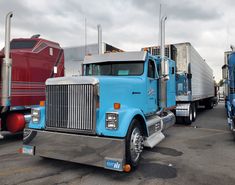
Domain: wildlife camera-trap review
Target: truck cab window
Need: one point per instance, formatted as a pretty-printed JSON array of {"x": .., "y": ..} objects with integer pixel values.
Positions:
[
  {"x": 22, "y": 44},
  {"x": 172, "y": 70},
  {"x": 151, "y": 69}
]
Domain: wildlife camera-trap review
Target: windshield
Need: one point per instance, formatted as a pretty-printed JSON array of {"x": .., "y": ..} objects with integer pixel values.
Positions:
[
  {"x": 115, "y": 69},
  {"x": 22, "y": 44}
]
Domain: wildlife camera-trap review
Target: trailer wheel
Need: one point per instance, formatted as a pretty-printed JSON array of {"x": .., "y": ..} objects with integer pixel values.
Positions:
[
  {"x": 189, "y": 119},
  {"x": 194, "y": 109},
  {"x": 134, "y": 144},
  {"x": 209, "y": 104}
]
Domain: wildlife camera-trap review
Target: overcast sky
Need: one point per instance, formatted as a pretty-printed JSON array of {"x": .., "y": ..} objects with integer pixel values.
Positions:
[{"x": 128, "y": 24}]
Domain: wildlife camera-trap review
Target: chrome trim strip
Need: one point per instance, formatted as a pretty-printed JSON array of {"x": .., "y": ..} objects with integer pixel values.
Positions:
[{"x": 72, "y": 80}]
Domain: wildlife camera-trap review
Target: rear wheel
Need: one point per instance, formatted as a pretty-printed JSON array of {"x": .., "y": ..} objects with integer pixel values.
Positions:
[
  {"x": 209, "y": 104},
  {"x": 134, "y": 144},
  {"x": 188, "y": 120}
]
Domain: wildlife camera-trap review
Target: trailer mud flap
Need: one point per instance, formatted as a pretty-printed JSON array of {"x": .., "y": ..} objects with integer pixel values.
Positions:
[{"x": 182, "y": 110}]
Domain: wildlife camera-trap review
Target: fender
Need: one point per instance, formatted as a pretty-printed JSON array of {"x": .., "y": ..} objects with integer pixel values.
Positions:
[{"x": 125, "y": 118}]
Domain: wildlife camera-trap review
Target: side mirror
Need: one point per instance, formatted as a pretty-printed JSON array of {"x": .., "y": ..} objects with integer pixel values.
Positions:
[{"x": 189, "y": 76}]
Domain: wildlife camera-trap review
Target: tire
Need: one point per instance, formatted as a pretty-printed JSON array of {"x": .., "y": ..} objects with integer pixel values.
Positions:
[
  {"x": 194, "y": 109},
  {"x": 189, "y": 119},
  {"x": 209, "y": 104},
  {"x": 134, "y": 144}
]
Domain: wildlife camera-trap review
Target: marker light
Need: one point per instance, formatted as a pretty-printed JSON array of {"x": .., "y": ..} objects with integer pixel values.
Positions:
[
  {"x": 42, "y": 103},
  {"x": 127, "y": 168},
  {"x": 116, "y": 105}
]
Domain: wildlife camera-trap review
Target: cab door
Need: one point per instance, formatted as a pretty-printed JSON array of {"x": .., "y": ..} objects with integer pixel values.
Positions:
[{"x": 151, "y": 87}]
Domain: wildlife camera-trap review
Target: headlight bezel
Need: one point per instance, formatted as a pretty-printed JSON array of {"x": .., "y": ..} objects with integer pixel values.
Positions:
[
  {"x": 35, "y": 115},
  {"x": 111, "y": 120}
]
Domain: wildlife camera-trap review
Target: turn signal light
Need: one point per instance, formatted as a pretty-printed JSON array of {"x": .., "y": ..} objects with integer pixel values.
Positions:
[
  {"x": 127, "y": 168},
  {"x": 117, "y": 105},
  {"x": 42, "y": 103}
]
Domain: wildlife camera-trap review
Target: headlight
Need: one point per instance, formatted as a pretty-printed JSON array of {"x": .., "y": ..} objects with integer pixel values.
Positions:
[
  {"x": 35, "y": 114},
  {"x": 111, "y": 120}
]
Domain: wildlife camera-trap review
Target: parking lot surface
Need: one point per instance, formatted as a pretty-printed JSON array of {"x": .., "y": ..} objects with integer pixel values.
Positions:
[{"x": 200, "y": 154}]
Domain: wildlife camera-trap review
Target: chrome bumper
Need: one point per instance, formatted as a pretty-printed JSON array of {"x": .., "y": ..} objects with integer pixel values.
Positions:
[{"x": 91, "y": 150}]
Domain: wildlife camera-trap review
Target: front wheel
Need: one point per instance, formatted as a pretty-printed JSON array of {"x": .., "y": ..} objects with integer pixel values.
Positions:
[
  {"x": 134, "y": 144},
  {"x": 209, "y": 104}
]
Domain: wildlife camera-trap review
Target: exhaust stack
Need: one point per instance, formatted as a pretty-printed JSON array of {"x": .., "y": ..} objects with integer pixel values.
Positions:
[
  {"x": 164, "y": 65},
  {"x": 99, "y": 39},
  {"x": 7, "y": 63}
]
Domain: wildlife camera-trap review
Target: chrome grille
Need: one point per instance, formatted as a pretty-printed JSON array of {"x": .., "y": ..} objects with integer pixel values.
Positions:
[{"x": 71, "y": 108}]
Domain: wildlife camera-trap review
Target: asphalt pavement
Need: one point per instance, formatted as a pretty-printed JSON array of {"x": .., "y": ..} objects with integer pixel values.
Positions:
[{"x": 200, "y": 154}]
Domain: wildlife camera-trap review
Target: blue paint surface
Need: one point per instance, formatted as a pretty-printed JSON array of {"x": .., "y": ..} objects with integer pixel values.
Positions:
[{"x": 230, "y": 99}]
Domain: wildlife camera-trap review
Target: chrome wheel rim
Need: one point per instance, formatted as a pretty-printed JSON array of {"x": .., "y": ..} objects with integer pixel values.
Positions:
[
  {"x": 136, "y": 144},
  {"x": 191, "y": 116},
  {"x": 194, "y": 113}
]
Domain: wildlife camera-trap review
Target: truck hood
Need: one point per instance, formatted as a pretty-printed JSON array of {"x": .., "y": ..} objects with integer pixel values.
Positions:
[{"x": 128, "y": 91}]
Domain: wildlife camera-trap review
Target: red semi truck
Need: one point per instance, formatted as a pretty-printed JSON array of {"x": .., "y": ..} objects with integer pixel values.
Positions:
[{"x": 25, "y": 64}]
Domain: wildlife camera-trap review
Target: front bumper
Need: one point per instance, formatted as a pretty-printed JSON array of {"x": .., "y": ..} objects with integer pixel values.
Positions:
[{"x": 91, "y": 150}]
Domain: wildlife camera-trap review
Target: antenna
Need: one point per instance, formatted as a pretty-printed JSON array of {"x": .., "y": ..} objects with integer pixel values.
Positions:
[
  {"x": 99, "y": 28},
  {"x": 85, "y": 37},
  {"x": 159, "y": 30}
]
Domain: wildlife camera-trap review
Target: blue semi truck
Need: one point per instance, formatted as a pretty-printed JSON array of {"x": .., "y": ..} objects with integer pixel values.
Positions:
[
  {"x": 105, "y": 117},
  {"x": 122, "y": 103},
  {"x": 228, "y": 70}
]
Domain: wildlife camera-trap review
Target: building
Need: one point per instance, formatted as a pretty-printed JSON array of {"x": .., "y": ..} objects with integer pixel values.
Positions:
[{"x": 76, "y": 54}]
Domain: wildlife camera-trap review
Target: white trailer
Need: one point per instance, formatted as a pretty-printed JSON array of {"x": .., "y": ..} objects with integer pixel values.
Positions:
[{"x": 195, "y": 83}]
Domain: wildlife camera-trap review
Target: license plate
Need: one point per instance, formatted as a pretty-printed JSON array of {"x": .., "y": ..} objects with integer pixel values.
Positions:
[{"x": 28, "y": 150}]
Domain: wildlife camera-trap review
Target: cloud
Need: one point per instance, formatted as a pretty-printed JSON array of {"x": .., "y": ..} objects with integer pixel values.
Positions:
[{"x": 127, "y": 24}]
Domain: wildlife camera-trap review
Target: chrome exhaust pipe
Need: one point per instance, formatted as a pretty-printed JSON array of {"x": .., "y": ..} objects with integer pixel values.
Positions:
[
  {"x": 7, "y": 64},
  {"x": 99, "y": 39},
  {"x": 164, "y": 66}
]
